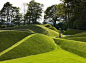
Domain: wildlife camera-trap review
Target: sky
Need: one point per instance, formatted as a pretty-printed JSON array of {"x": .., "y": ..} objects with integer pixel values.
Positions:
[{"x": 19, "y": 3}]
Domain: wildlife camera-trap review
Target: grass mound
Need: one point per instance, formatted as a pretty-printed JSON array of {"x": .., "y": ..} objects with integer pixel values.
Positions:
[
  {"x": 34, "y": 28},
  {"x": 51, "y": 33},
  {"x": 31, "y": 45},
  {"x": 78, "y": 37},
  {"x": 37, "y": 29},
  {"x": 28, "y": 30},
  {"x": 82, "y": 34},
  {"x": 8, "y": 38},
  {"x": 51, "y": 27},
  {"x": 48, "y": 25},
  {"x": 73, "y": 46},
  {"x": 72, "y": 32}
]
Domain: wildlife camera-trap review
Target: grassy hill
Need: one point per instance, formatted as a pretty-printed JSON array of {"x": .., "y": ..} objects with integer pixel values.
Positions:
[
  {"x": 34, "y": 28},
  {"x": 78, "y": 37},
  {"x": 31, "y": 45},
  {"x": 56, "y": 56},
  {"x": 51, "y": 33},
  {"x": 37, "y": 29},
  {"x": 76, "y": 47},
  {"x": 8, "y": 38},
  {"x": 72, "y": 32}
]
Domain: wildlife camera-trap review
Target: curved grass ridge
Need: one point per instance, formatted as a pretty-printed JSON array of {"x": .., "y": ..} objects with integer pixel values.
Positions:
[
  {"x": 34, "y": 28},
  {"x": 18, "y": 43},
  {"x": 51, "y": 33},
  {"x": 9, "y": 38},
  {"x": 76, "y": 47},
  {"x": 31, "y": 45}
]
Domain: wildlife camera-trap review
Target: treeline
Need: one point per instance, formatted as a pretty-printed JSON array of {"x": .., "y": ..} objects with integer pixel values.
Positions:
[
  {"x": 70, "y": 13},
  {"x": 10, "y": 15},
  {"x": 75, "y": 12}
]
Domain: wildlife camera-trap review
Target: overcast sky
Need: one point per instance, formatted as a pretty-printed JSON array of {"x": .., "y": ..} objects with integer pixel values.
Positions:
[{"x": 19, "y": 3}]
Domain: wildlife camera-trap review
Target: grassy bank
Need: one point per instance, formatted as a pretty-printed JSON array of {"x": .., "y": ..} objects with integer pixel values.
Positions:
[{"x": 35, "y": 44}]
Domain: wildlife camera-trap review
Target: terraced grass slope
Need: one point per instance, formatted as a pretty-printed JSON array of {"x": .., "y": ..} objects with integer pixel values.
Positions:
[
  {"x": 33, "y": 28},
  {"x": 76, "y": 47},
  {"x": 56, "y": 56},
  {"x": 31, "y": 45},
  {"x": 8, "y": 38},
  {"x": 51, "y": 33},
  {"x": 38, "y": 29},
  {"x": 72, "y": 32},
  {"x": 78, "y": 37},
  {"x": 51, "y": 27}
]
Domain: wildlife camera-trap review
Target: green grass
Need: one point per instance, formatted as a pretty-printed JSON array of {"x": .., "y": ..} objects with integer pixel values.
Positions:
[
  {"x": 82, "y": 34},
  {"x": 8, "y": 38},
  {"x": 72, "y": 32},
  {"x": 51, "y": 27},
  {"x": 78, "y": 37},
  {"x": 47, "y": 25},
  {"x": 83, "y": 39},
  {"x": 76, "y": 47},
  {"x": 27, "y": 30},
  {"x": 56, "y": 56},
  {"x": 35, "y": 44},
  {"x": 34, "y": 28},
  {"x": 51, "y": 33},
  {"x": 37, "y": 29}
]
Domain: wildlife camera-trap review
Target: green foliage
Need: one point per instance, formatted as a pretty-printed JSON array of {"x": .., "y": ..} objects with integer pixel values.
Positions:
[
  {"x": 34, "y": 12},
  {"x": 72, "y": 31},
  {"x": 11, "y": 13},
  {"x": 34, "y": 44},
  {"x": 76, "y": 47},
  {"x": 8, "y": 38},
  {"x": 75, "y": 13}
]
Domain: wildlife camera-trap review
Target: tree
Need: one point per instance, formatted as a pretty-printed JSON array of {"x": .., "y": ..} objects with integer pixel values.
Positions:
[
  {"x": 75, "y": 11},
  {"x": 17, "y": 17},
  {"x": 34, "y": 12},
  {"x": 9, "y": 13},
  {"x": 53, "y": 12}
]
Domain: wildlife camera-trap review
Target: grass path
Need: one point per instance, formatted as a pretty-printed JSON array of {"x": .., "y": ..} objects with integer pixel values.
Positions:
[{"x": 56, "y": 56}]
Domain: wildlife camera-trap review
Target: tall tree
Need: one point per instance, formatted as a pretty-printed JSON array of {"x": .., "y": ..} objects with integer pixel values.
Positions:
[
  {"x": 34, "y": 12},
  {"x": 75, "y": 11},
  {"x": 53, "y": 12},
  {"x": 8, "y": 13}
]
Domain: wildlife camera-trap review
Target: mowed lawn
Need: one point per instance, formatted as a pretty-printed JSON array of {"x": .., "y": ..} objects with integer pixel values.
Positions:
[{"x": 56, "y": 56}]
